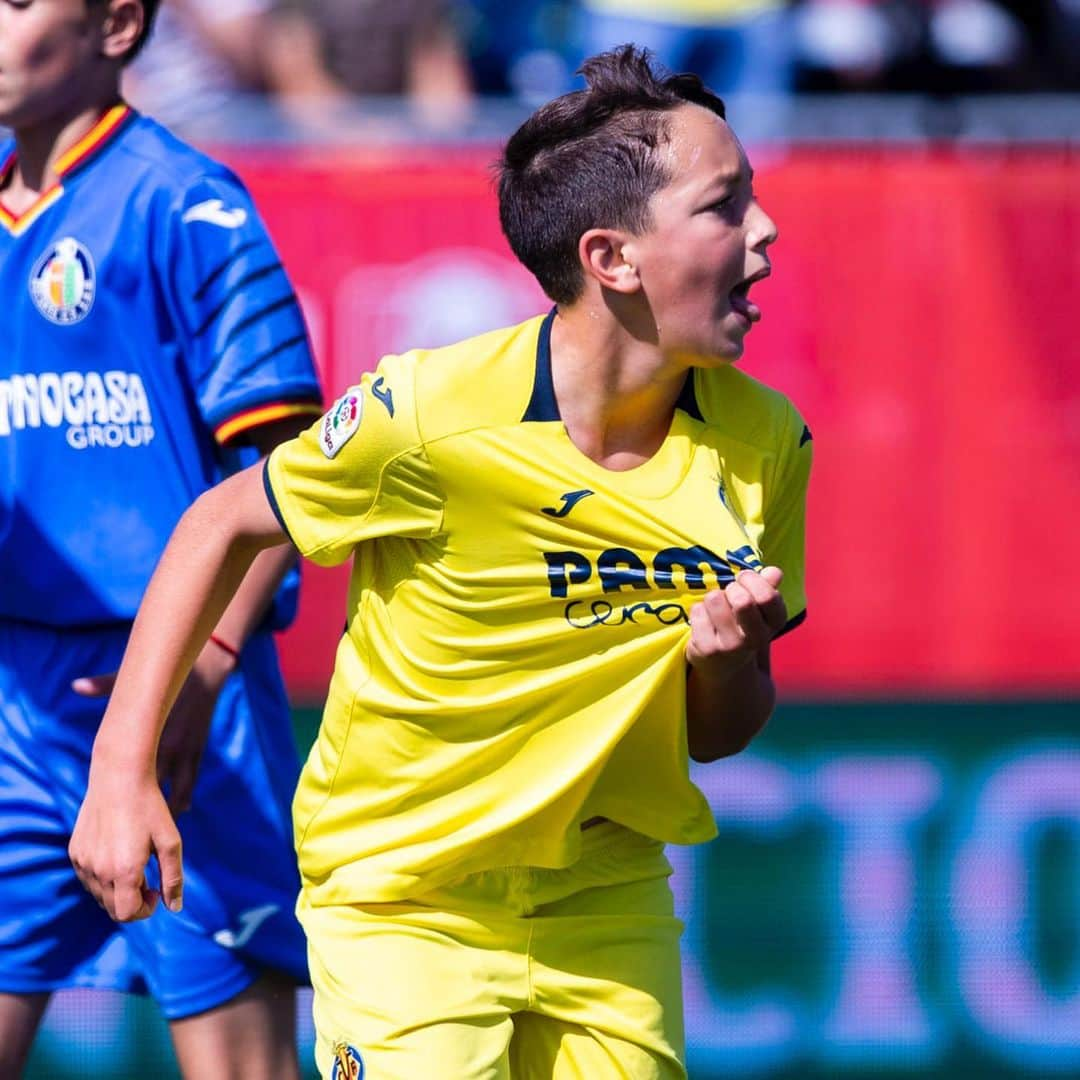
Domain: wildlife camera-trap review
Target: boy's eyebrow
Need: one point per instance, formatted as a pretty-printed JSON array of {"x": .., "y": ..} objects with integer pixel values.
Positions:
[{"x": 732, "y": 176}]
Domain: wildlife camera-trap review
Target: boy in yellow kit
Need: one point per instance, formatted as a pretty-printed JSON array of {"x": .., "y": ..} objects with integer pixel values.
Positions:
[{"x": 567, "y": 538}]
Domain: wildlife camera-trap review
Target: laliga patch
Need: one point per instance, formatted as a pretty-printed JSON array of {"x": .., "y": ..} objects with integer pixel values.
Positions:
[
  {"x": 63, "y": 282},
  {"x": 348, "y": 1064},
  {"x": 340, "y": 423}
]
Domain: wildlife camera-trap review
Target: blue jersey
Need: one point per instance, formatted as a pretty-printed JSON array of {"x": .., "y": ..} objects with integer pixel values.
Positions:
[{"x": 148, "y": 324}]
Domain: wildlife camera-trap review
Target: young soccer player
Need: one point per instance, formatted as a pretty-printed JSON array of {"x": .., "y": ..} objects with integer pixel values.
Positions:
[
  {"x": 149, "y": 337},
  {"x": 567, "y": 540}
]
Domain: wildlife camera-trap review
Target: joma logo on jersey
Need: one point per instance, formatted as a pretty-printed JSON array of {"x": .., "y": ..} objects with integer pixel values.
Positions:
[
  {"x": 695, "y": 568},
  {"x": 99, "y": 408}
]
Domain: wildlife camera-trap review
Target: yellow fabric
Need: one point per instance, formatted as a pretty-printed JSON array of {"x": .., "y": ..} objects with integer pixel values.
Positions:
[
  {"x": 686, "y": 12},
  {"x": 533, "y": 974},
  {"x": 508, "y": 673}
]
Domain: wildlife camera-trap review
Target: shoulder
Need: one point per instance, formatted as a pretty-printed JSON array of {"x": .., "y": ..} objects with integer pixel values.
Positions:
[
  {"x": 746, "y": 409},
  {"x": 484, "y": 381},
  {"x": 154, "y": 156}
]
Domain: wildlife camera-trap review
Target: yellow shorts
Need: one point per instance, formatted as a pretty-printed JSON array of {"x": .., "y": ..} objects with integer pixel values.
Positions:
[{"x": 518, "y": 973}]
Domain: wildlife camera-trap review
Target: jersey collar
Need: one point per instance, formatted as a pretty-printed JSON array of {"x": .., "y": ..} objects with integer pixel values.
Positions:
[
  {"x": 543, "y": 405},
  {"x": 73, "y": 159}
]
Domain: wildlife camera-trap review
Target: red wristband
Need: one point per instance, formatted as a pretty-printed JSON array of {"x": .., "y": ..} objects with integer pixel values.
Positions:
[{"x": 221, "y": 644}]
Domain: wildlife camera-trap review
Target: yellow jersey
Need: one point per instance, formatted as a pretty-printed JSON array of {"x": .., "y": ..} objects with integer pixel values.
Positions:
[{"x": 514, "y": 661}]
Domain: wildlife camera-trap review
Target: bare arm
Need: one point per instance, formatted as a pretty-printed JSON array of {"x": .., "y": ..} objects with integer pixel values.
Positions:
[
  {"x": 186, "y": 730},
  {"x": 183, "y": 739},
  {"x": 124, "y": 818},
  {"x": 729, "y": 691},
  {"x": 253, "y": 598}
]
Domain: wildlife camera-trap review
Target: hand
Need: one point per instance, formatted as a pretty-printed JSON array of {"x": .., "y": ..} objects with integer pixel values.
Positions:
[
  {"x": 729, "y": 626},
  {"x": 184, "y": 736},
  {"x": 122, "y": 822}
]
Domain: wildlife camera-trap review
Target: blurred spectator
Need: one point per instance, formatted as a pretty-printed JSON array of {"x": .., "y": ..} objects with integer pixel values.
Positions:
[
  {"x": 202, "y": 56},
  {"x": 318, "y": 57},
  {"x": 938, "y": 46},
  {"x": 525, "y": 50},
  {"x": 323, "y": 52},
  {"x": 853, "y": 44},
  {"x": 736, "y": 46},
  {"x": 1052, "y": 29}
]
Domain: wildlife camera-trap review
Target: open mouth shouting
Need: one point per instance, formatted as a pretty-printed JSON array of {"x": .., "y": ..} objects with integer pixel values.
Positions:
[{"x": 739, "y": 297}]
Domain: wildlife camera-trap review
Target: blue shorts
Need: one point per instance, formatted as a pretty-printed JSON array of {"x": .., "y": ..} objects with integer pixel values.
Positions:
[{"x": 240, "y": 882}]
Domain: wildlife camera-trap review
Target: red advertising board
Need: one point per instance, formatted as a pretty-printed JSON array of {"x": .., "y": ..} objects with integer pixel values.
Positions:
[{"x": 921, "y": 314}]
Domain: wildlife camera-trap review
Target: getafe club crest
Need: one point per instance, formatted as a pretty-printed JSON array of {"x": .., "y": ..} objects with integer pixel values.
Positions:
[
  {"x": 347, "y": 1063},
  {"x": 63, "y": 282},
  {"x": 340, "y": 423}
]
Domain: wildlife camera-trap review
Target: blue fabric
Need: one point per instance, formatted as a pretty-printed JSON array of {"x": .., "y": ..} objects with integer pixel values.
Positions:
[
  {"x": 145, "y": 307},
  {"x": 241, "y": 881}
]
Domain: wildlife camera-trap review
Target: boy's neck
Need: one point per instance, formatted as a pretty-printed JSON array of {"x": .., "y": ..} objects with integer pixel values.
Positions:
[
  {"x": 616, "y": 393},
  {"x": 40, "y": 146}
]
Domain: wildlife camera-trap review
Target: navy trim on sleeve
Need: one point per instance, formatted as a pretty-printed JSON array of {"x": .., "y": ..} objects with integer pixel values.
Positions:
[
  {"x": 272, "y": 499},
  {"x": 798, "y": 620}
]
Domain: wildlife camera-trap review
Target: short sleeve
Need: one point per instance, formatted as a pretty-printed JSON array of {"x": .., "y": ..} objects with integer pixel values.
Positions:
[
  {"x": 242, "y": 335},
  {"x": 783, "y": 539},
  {"x": 359, "y": 473}
]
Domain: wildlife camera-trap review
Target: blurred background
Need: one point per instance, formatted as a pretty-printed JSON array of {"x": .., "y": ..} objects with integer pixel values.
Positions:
[{"x": 896, "y": 885}]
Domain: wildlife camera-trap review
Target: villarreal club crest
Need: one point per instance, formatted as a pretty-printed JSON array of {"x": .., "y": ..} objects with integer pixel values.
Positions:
[
  {"x": 62, "y": 282},
  {"x": 347, "y": 1063}
]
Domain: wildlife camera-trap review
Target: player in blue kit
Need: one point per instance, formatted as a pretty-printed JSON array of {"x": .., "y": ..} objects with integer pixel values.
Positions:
[{"x": 150, "y": 344}]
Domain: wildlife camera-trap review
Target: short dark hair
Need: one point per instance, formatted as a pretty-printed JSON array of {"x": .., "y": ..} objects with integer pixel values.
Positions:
[
  {"x": 589, "y": 160},
  {"x": 150, "y": 8}
]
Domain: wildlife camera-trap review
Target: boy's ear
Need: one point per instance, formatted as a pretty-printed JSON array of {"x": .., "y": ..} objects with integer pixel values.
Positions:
[
  {"x": 121, "y": 27},
  {"x": 603, "y": 258}
]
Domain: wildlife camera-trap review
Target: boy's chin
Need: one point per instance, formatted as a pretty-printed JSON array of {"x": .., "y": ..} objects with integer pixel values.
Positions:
[
  {"x": 12, "y": 116},
  {"x": 729, "y": 348},
  {"x": 720, "y": 356}
]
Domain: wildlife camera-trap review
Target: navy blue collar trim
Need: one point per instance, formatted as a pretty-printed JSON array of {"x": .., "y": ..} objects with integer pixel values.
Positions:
[
  {"x": 688, "y": 399},
  {"x": 542, "y": 404}
]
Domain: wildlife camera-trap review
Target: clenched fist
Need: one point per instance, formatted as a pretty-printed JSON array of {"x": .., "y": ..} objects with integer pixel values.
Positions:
[{"x": 731, "y": 625}]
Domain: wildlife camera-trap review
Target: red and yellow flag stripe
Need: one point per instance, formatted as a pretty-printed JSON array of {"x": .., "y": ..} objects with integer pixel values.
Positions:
[
  {"x": 92, "y": 141},
  {"x": 264, "y": 414}
]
